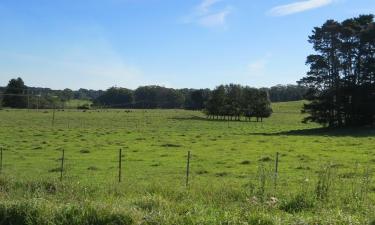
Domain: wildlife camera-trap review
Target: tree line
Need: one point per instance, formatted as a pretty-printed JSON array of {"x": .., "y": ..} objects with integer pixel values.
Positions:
[
  {"x": 341, "y": 79},
  {"x": 17, "y": 95}
]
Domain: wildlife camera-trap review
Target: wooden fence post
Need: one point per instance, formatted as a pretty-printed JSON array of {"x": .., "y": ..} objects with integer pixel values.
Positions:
[
  {"x": 62, "y": 164},
  {"x": 119, "y": 165},
  {"x": 187, "y": 169}
]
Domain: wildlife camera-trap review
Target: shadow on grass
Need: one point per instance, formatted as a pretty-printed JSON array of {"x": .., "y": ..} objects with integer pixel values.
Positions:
[
  {"x": 329, "y": 132},
  {"x": 199, "y": 118}
]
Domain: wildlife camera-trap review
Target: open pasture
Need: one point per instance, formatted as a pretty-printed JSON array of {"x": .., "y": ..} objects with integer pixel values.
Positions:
[{"x": 324, "y": 176}]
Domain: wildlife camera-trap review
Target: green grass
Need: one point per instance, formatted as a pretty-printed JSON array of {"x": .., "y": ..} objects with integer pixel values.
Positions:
[{"x": 324, "y": 175}]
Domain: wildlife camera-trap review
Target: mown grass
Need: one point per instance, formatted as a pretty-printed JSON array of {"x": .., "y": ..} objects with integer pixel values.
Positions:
[{"x": 325, "y": 176}]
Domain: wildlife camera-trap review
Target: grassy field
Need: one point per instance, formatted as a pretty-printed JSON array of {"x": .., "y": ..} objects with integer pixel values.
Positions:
[{"x": 324, "y": 176}]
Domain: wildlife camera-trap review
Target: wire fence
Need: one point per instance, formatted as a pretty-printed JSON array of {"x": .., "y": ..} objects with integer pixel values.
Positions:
[{"x": 182, "y": 169}]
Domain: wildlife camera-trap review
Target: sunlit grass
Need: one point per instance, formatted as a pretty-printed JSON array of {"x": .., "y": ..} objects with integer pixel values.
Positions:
[{"x": 232, "y": 166}]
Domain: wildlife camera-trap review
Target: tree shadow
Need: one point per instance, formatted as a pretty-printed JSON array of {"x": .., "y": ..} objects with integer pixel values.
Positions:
[
  {"x": 199, "y": 118},
  {"x": 329, "y": 132}
]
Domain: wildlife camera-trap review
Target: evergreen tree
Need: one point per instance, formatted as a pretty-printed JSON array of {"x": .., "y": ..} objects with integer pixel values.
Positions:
[{"x": 341, "y": 77}]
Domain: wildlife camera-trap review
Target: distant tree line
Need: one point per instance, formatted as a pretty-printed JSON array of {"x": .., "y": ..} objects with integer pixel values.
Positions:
[
  {"x": 150, "y": 97},
  {"x": 228, "y": 102},
  {"x": 286, "y": 93},
  {"x": 18, "y": 95},
  {"x": 341, "y": 79}
]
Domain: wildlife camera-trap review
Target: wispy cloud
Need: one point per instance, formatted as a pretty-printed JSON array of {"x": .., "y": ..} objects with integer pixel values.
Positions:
[
  {"x": 209, "y": 13},
  {"x": 258, "y": 67},
  {"x": 297, "y": 7}
]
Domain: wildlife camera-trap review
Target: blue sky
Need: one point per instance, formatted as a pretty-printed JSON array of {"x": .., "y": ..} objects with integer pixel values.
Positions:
[{"x": 175, "y": 43}]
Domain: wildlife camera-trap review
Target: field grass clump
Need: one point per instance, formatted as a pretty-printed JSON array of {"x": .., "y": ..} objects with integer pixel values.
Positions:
[
  {"x": 45, "y": 213},
  {"x": 298, "y": 203},
  {"x": 259, "y": 219}
]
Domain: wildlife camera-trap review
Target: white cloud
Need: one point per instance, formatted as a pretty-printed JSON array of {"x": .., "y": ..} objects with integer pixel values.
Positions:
[
  {"x": 208, "y": 14},
  {"x": 215, "y": 19},
  {"x": 298, "y": 7},
  {"x": 258, "y": 67},
  {"x": 205, "y": 6}
]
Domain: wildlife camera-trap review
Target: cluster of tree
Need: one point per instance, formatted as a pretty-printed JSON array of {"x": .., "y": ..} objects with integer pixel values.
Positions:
[
  {"x": 341, "y": 79},
  {"x": 149, "y": 97},
  {"x": 285, "y": 93},
  {"x": 233, "y": 101}
]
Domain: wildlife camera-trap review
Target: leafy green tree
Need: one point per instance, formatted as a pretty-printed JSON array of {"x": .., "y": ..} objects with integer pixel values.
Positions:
[
  {"x": 15, "y": 94},
  {"x": 216, "y": 103},
  {"x": 262, "y": 105},
  {"x": 235, "y": 101},
  {"x": 198, "y": 99},
  {"x": 116, "y": 98},
  {"x": 249, "y": 96}
]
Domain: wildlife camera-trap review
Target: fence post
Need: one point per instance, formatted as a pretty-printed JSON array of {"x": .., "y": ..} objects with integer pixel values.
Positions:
[
  {"x": 119, "y": 165},
  {"x": 62, "y": 164},
  {"x": 187, "y": 169},
  {"x": 276, "y": 168}
]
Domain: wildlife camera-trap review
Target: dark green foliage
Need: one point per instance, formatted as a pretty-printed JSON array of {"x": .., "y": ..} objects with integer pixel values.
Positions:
[
  {"x": 233, "y": 101},
  {"x": 149, "y": 97},
  {"x": 15, "y": 94},
  {"x": 285, "y": 93},
  {"x": 341, "y": 79},
  {"x": 196, "y": 99},
  {"x": 116, "y": 98}
]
